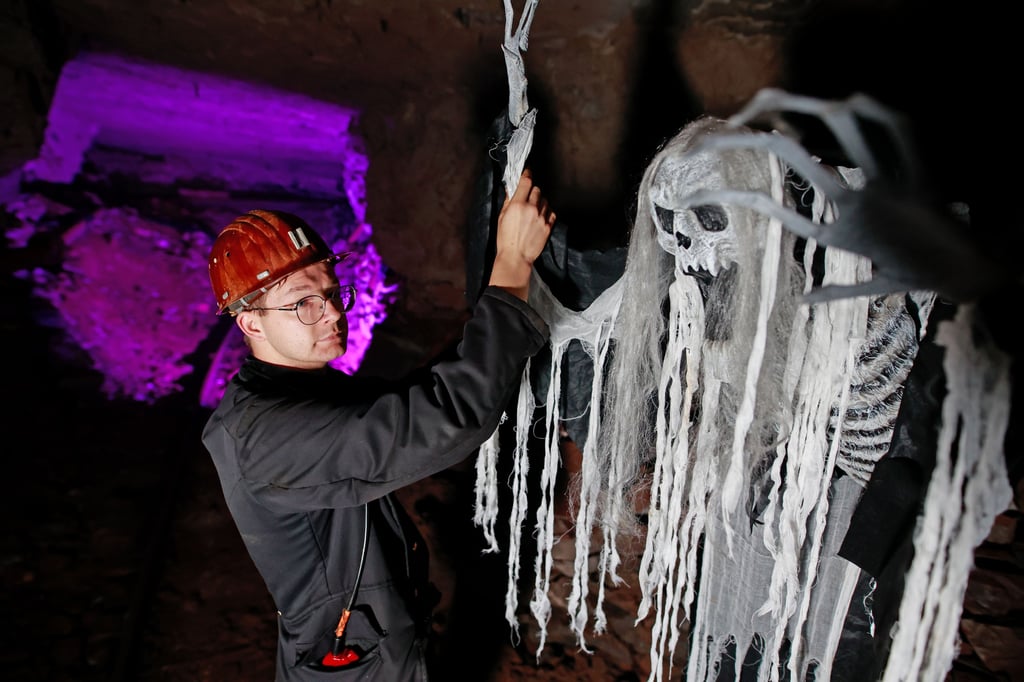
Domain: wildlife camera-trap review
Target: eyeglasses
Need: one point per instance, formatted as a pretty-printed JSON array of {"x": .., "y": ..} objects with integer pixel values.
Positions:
[{"x": 310, "y": 309}]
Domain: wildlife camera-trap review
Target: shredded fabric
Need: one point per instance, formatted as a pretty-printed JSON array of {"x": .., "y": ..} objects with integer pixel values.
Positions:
[
  {"x": 521, "y": 469},
  {"x": 745, "y": 477},
  {"x": 485, "y": 507},
  {"x": 967, "y": 490},
  {"x": 593, "y": 328},
  {"x": 520, "y": 115},
  {"x": 735, "y": 419}
]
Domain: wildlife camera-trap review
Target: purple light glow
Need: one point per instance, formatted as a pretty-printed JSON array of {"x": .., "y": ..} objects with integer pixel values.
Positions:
[
  {"x": 134, "y": 295},
  {"x": 246, "y": 134},
  {"x": 366, "y": 271},
  {"x": 133, "y": 291}
]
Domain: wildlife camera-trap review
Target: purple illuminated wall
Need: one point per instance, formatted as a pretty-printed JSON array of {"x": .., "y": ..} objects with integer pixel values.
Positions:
[{"x": 156, "y": 160}]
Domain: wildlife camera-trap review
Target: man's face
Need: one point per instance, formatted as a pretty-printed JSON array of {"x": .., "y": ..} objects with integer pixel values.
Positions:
[{"x": 280, "y": 338}]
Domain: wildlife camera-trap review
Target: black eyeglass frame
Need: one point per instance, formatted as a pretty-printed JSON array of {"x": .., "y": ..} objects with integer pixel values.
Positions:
[{"x": 336, "y": 296}]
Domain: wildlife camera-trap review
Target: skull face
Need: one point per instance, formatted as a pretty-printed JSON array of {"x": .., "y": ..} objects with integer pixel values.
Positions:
[{"x": 702, "y": 238}]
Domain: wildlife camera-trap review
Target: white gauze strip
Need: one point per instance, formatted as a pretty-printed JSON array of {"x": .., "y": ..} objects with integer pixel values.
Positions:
[
  {"x": 540, "y": 605},
  {"x": 964, "y": 496},
  {"x": 520, "y": 500},
  {"x": 485, "y": 508}
]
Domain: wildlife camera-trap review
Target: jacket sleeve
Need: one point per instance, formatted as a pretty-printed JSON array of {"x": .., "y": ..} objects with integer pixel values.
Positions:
[{"x": 315, "y": 453}]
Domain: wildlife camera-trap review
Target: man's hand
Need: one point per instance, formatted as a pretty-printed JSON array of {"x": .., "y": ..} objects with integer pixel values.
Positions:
[{"x": 524, "y": 226}]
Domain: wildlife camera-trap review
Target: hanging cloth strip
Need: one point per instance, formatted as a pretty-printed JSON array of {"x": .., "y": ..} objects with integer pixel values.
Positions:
[{"x": 593, "y": 329}]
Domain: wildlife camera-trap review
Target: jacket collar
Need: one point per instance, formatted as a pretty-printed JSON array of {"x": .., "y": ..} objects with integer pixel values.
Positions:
[{"x": 256, "y": 374}]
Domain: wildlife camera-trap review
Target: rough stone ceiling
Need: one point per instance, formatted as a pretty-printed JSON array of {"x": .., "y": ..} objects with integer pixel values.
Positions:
[{"x": 611, "y": 78}]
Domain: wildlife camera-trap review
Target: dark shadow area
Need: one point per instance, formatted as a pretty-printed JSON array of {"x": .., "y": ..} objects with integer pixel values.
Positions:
[
  {"x": 661, "y": 102},
  {"x": 933, "y": 63}
]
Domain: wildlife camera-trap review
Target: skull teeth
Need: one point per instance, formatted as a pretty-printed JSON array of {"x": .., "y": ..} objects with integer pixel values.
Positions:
[{"x": 699, "y": 273}]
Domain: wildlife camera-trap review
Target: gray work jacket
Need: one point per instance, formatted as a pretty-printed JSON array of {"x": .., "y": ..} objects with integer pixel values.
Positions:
[{"x": 299, "y": 453}]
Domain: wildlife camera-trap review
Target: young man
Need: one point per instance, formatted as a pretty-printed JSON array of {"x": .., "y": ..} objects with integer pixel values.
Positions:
[{"x": 308, "y": 457}]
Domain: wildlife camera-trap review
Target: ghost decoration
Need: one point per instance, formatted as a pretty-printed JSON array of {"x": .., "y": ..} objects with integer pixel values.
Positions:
[{"x": 753, "y": 385}]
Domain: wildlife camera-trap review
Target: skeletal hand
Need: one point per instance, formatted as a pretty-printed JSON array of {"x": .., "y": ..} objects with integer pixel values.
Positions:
[{"x": 913, "y": 241}]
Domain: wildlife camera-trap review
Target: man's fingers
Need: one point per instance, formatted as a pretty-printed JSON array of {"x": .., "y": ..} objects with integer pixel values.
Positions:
[
  {"x": 531, "y": 195},
  {"x": 525, "y": 185}
]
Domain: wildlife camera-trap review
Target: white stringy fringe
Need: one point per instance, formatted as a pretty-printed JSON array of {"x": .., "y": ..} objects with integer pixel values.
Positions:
[
  {"x": 485, "y": 508},
  {"x": 964, "y": 496}
]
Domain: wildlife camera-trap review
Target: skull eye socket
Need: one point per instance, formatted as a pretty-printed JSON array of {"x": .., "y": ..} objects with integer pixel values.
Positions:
[
  {"x": 665, "y": 218},
  {"x": 711, "y": 217}
]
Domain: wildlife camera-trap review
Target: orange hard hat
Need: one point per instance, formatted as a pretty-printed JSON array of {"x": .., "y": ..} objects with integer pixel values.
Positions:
[{"x": 258, "y": 249}]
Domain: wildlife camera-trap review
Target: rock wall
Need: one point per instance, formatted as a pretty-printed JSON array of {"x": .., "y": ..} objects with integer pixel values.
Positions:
[{"x": 428, "y": 79}]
